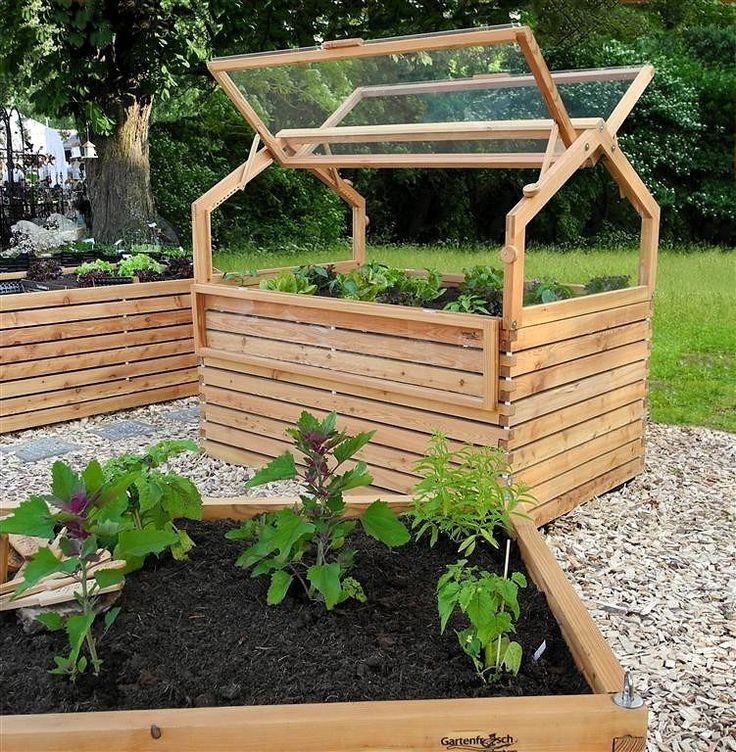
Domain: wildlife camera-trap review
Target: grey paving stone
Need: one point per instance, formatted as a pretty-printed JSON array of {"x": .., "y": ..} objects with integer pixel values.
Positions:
[
  {"x": 40, "y": 449},
  {"x": 186, "y": 415},
  {"x": 124, "y": 429}
]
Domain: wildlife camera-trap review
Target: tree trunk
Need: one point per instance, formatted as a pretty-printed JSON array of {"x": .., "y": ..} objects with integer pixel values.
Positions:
[{"x": 119, "y": 180}]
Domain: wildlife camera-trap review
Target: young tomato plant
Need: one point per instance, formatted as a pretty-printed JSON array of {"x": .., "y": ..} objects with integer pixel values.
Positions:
[
  {"x": 463, "y": 494},
  {"x": 87, "y": 508},
  {"x": 490, "y": 604},
  {"x": 156, "y": 499},
  {"x": 307, "y": 544}
]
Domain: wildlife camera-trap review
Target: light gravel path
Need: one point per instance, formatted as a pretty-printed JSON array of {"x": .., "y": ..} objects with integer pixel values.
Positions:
[{"x": 653, "y": 561}]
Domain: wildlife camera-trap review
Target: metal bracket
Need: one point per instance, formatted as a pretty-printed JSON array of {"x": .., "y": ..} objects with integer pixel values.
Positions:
[{"x": 627, "y": 697}]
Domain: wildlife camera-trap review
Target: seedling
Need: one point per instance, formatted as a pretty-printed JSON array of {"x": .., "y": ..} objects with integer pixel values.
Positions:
[
  {"x": 490, "y": 604},
  {"x": 88, "y": 508},
  {"x": 307, "y": 543},
  {"x": 464, "y": 494}
]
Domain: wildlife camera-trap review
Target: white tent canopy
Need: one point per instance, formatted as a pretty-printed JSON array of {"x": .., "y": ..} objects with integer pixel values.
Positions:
[{"x": 44, "y": 140}]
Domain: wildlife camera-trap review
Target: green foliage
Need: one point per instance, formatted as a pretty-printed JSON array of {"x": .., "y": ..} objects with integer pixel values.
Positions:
[
  {"x": 288, "y": 282},
  {"x": 546, "y": 290},
  {"x": 154, "y": 501},
  {"x": 44, "y": 269},
  {"x": 411, "y": 290},
  {"x": 98, "y": 265},
  {"x": 324, "y": 278},
  {"x": 604, "y": 284},
  {"x": 308, "y": 543},
  {"x": 468, "y": 304},
  {"x": 140, "y": 262},
  {"x": 89, "y": 507},
  {"x": 463, "y": 494},
  {"x": 490, "y": 604},
  {"x": 486, "y": 283}
]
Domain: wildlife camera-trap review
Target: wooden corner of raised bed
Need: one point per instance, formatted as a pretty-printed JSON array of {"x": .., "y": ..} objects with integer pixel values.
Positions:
[{"x": 569, "y": 723}]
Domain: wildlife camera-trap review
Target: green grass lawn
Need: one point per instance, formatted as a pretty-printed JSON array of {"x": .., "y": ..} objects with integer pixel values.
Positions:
[{"x": 693, "y": 366}]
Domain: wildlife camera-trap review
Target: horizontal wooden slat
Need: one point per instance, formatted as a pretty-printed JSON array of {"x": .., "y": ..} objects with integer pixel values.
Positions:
[
  {"x": 556, "y": 443},
  {"x": 578, "y": 391},
  {"x": 43, "y": 353},
  {"x": 366, "y": 343},
  {"x": 71, "y": 379},
  {"x": 596, "y": 447},
  {"x": 578, "y": 306},
  {"x": 96, "y": 406},
  {"x": 110, "y": 309},
  {"x": 79, "y": 295},
  {"x": 69, "y": 396},
  {"x": 556, "y": 331},
  {"x": 548, "y": 378},
  {"x": 549, "y": 355},
  {"x": 229, "y": 376},
  {"x": 76, "y": 329}
]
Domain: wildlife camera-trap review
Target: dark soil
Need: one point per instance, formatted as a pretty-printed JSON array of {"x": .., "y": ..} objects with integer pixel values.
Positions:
[{"x": 199, "y": 633}]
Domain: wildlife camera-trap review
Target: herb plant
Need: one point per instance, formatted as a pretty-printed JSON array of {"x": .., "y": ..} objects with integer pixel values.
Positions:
[
  {"x": 490, "y": 604},
  {"x": 307, "y": 543},
  {"x": 142, "y": 266},
  {"x": 156, "y": 499},
  {"x": 463, "y": 494},
  {"x": 546, "y": 290},
  {"x": 88, "y": 508},
  {"x": 605, "y": 284}
]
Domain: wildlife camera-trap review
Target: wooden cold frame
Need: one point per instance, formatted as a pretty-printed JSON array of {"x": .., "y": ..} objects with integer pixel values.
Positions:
[
  {"x": 68, "y": 354},
  {"x": 560, "y": 387},
  {"x": 583, "y": 723}
]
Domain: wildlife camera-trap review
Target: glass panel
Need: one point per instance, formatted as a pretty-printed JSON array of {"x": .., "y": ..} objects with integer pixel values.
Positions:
[{"x": 485, "y": 146}]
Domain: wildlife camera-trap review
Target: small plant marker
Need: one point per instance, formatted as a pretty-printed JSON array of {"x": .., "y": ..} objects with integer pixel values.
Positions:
[{"x": 505, "y": 576}]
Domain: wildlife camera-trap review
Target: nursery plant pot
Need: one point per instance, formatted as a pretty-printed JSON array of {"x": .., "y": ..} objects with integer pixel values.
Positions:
[
  {"x": 11, "y": 287},
  {"x": 583, "y": 722},
  {"x": 32, "y": 285},
  {"x": 17, "y": 263},
  {"x": 108, "y": 281}
]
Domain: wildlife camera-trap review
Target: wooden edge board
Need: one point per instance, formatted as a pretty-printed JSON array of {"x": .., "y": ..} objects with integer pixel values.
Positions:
[{"x": 578, "y": 723}]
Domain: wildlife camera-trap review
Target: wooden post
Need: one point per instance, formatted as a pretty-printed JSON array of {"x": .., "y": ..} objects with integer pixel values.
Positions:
[{"x": 4, "y": 554}]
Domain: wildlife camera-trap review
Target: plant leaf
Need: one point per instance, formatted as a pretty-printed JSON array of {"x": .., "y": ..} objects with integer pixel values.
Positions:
[
  {"x": 280, "y": 583},
  {"x": 51, "y": 620},
  {"x": 110, "y": 617},
  {"x": 77, "y": 627},
  {"x": 134, "y": 543},
  {"x": 42, "y": 564},
  {"x": 32, "y": 517},
  {"x": 93, "y": 477},
  {"x": 107, "y": 577},
  {"x": 512, "y": 657},
  {"x": 380, "y": 522},
  {"x": 346, "y": 449},
  {"x": 64, "y": 481},
  {"x": 326, "y": 579},
  {"x": 282, "y": 468}
]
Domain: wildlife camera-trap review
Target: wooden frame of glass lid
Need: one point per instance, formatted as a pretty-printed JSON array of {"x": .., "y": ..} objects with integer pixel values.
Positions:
[{"x": 561, "y": 386}]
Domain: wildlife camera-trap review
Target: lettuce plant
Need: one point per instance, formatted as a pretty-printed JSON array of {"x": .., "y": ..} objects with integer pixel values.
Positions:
[
  {"x": 288, "y": 282},
  {"x": 88, "y": 508},
  {"x": 140, "y": 264},
  {"x": 546, "y": 290},
  {"x": 307, "y": 544},
  {"x": 490, "y": 604},
  {"x": 463, "y": 494},
  {"x": 468, "y": 304}
]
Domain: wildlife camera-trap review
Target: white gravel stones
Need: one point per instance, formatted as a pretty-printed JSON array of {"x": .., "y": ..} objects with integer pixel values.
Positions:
[{"x": 653, "y": 561}]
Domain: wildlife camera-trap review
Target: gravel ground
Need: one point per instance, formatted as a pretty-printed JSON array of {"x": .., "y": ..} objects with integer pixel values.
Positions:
[{"x": 653, "y": 561}]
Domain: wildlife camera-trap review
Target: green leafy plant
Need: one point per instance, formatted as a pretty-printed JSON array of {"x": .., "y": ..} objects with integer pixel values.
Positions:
[
  {"x": 307, "y": 543},
  {"x": 288, "y": 282},
  {"x": 142, "y": 266},
  {"x": 468, "y": 304},
  {"x": 463, "y": 494},
  {"x": 324, "y": 278},
  {"x": 365, "y": 282},
  {"x": 89, "y": 272},
  {"x": 486, "y": 283},
  {"x": 412, "y": 290},
  {"x": 605, "y": 284},
  {"x": 156, "y": 499},
  {"x": 490, "y": 604},
  {"x": 88, "y": 508},
  {"x": 546, "y": 290}
]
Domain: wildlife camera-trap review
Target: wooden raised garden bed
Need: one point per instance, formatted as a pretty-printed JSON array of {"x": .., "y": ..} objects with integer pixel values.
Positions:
[
  {"x": 562, "y": 386},
  {"x": 579, "y": 723},
  {"x": 71, "y": 353}
]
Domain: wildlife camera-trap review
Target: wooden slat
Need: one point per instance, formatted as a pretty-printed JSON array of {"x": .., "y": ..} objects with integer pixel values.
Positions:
[
  {"x": 548, "y": 378},
  {"x": 323, "y": 335},
  {"x": 486, "y": 161},
  {"x": 76, "y": 329},
  {"x": 80, "y": 295},
  {"x": 534, "y": 475},
  {"x": 113, "y": 308},
  {"x": 97, "y": 406},
  {"x": 571, "y": 436},
  {"x": 563, "y": 503},
  {"x": 577, "y": 391},
  {"x": 16, "y": 405},
  {"x": 546, "y": 356},
  {"x": 556, "y": 331},
  {"x": 71, "y": 379}
]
